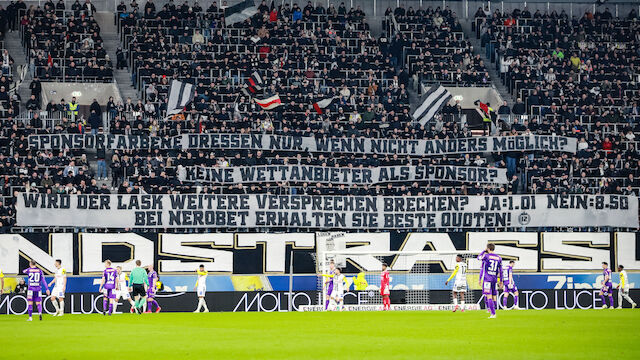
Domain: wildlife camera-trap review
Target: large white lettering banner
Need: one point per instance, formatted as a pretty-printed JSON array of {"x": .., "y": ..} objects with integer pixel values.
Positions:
[
  {"x": 325, "y": 212},
  {"x": 342, "y": 175},
  {"x": 303, "y": 143}
]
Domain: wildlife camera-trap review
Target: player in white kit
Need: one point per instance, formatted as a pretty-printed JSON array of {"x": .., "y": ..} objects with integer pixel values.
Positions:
[
  {"x": 201, "y": 289},
  {"x": 57, "y": 294},
  {"x": 123, "y": 293},
  {"x": 623, "y": 288},
  {"x": 460, "y": 284},
  {"x": 337, "y": 294}
]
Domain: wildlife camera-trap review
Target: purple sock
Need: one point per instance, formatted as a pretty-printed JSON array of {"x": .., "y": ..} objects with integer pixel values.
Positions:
[
  {"x": 30, "y": 310},
  {"x": 155, "y": 303},
  {"x": 504, "y": 302},
  {"x": 486, "y": 304},
  {"x": 110, "y": 308},
  {"x": 104, "y": 304},
  {"x": 610, "y": 300},
  {"x": 515, "y": 300},
  {"x": 326, "y": 304},
  {"x": 40, "y": 308},
  {"x": 602, "y": 298},
  {"x": 492, "y": 306}
]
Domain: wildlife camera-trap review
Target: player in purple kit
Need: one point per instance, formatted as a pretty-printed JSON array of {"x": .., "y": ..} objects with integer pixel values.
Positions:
[
  {"x": 109, "y": 284},
  {"x": 329, "y": 284},
  {"x": 34, "y": 291},
  {"x": 509, "y": 286},
  {"x": 151, "y": 291},
  {"x": 607, "y": 286},
  {"x": 490, "y": 270}
]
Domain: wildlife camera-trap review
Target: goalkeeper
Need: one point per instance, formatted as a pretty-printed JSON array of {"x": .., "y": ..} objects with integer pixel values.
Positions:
[{"x": 359, "y": 282}]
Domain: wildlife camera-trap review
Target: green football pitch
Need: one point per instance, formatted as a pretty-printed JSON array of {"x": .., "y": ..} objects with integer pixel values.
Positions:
[{"x": 546, "y": 334}]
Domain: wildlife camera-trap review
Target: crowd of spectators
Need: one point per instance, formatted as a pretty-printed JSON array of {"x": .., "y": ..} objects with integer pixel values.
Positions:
[
  {"x": 434, "y": 48},
  {"x": 581, "y": 72},
  {"x": 65, "y": 44},
  {"x": 312, "y": 53}
]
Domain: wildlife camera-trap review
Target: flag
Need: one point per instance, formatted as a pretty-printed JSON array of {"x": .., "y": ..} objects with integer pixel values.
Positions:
[
  {"x": 252, "y": 85},
  {"x": 180, "y": 94},
  {"x": 270, "y": 102},
  {"x": 484, "y": 107},
  {"x": 432, "y": 102},
  {"x": 318, "y": 106},
  {"x": 49, "y": 60}
]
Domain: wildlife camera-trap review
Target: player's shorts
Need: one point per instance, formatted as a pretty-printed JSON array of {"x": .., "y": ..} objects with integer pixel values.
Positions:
[
  {"x": 57, "y": 292},
  {"x": 202, "y": 290},
  {"x": 138, "y": 289},
  {"x": 489, "y": 288},
  {"x": 330, "y": 288},
  {"x": 34, "y": 295},
  {"x": 124, "y": 294},
  {"x": 606, "y": 288},
  {"x": 109, "y": 293},
  {"x": 386, "y": 291},
  {"x": 460, "y": 286},
  {"x": 339, "y": 295},
  {"x": 510, "y": 288},
  {"x": 624, "y": 290}
]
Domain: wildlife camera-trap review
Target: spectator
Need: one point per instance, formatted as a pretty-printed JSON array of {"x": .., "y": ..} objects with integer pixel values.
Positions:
[
  {"x": 21, "y": 287},
  {"x": 95, "y": 121},
  {"x": 504, "y": 109}
]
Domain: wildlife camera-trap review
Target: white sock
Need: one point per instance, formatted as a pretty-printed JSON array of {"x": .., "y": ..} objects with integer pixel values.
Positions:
[
  {"x": 619, "y": 298},
  {"x": 61, "y": 306},
  {"x": 199, "y": 304},
  {"x": 204, "y": 304},
  {"x": 455, "y": 300},
  {"x": 55, "y": 305},
  {"x": 115, "y": 306},
  {"x": 462, "y": 302}
]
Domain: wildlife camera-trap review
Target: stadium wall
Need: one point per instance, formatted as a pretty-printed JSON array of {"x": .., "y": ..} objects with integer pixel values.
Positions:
[
  {"x": 271, "y": 253},
  {"x": 278, "y": 301}
]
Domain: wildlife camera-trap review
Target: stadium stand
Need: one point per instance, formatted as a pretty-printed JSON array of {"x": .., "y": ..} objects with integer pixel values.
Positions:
[
  {"x": 65, "y": 45},
  {"x": 576, "y": 76},
  {"x": 573, "y": 77}
]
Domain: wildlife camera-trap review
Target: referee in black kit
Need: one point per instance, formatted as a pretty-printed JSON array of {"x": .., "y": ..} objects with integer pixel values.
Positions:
[{"x": 138, "y": 284}]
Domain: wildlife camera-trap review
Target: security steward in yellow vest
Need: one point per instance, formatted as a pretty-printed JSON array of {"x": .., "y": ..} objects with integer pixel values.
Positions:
[{"x": 73, "y": 108}]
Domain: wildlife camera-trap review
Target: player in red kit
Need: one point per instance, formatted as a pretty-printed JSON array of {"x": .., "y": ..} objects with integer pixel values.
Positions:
[{"x": 385, "y": 291}]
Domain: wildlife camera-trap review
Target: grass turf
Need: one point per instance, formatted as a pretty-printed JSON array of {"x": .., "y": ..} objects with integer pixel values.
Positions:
[{"x": 525, "y": 334}]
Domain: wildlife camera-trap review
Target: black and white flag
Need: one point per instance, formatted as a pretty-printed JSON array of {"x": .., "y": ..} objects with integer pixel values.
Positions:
[
  {"x": 180, "y": 94},
  {"x": 252, "y": 85},
  {"x": 431, "y": 103}
]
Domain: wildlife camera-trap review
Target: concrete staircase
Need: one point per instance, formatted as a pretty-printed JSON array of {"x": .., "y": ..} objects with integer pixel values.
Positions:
[
  {"x": 494, "y": 74},
  {"x": 13, "y": 43},
  {"x": 111, "y": 38}
]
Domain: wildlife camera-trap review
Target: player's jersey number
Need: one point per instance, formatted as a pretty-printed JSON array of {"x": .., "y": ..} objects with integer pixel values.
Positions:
[{"x": 34, "y": 278}]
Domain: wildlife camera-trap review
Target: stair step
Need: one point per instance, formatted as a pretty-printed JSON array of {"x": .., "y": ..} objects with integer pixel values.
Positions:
[{"x": 111, "y": 42}]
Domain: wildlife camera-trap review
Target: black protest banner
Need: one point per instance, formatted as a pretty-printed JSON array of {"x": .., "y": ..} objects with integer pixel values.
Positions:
[{"x": 348, "y": 176}]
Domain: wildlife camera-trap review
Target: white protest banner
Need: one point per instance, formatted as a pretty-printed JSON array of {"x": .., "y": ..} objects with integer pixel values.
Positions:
[
  {"x": 324, "y": 212},
  {"x": 348, "y": 176},
  {"x": 307, "y": 144}
]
